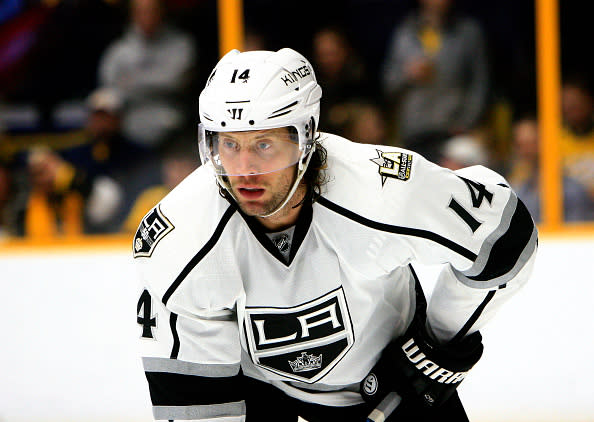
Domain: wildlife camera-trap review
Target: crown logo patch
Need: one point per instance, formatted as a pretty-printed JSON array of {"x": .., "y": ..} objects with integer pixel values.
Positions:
[{"x": 306, "y": 362}]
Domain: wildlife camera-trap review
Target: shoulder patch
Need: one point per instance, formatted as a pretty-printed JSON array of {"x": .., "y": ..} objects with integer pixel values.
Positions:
[
  {"x": 153, "y": 227},
  {"x": 396, "y": 165}
]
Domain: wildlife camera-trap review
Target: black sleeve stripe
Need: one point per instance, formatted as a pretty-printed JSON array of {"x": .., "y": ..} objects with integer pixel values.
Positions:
[
  {"x": 201, "y": 254},
  {"x": 483, "y": 256},
  {"x": 474, "y": 317},
  {"x": 398, "y": 229},
  {"x": 509, "y": 248},
  {"x": 420, "y": 298},
  {"x": 167, "y": 389},
  {"x": 204, "y": 413},
  {"x": 176, "y": 343}
]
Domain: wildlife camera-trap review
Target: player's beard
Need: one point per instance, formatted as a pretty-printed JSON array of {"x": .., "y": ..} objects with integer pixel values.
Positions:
[{"x": 278, "y": 188}]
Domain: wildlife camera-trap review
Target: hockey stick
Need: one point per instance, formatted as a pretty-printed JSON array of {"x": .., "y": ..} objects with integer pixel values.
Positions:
[
  {"x": 385, "y": 408},
  {"x": 382, "y": 411}
]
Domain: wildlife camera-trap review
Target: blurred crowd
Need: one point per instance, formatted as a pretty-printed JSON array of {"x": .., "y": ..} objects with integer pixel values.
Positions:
[{"x": 98, "y": 99}]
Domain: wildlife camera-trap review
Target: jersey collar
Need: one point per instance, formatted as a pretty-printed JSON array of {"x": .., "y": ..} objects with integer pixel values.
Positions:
[{"x": 301, "y": 227}]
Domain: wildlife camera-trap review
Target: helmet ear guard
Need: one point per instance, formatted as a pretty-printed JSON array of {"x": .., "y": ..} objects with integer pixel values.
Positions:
[{"x": 310, "y": 134}]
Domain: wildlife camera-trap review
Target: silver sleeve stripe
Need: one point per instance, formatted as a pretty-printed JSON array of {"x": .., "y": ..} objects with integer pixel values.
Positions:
[
  {"x": 505, "y": 278},
  {"x": 324, "y": 388},
  {"x": 174, "y": 366},
  {"x": 487, "y": 246},
  {"x": 224, "y": 315},
  {"x": 200, "y": 412}
]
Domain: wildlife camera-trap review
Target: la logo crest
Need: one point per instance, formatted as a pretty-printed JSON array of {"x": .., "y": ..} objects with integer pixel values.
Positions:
[
  {"x": 154, "y": 227},
  {"x": 303, "y": 342}
]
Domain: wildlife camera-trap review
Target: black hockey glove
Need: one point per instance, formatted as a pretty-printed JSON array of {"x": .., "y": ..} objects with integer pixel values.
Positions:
[{"x": 419, "y": 369}]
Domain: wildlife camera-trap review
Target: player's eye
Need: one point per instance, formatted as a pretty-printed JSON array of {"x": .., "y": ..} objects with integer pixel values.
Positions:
[
  {"x": 264, "y": 145},
  {"x": 229, "y": 144}
]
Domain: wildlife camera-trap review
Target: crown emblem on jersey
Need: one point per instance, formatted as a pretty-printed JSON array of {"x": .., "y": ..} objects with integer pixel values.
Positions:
[{"x": 306, "y": 362}]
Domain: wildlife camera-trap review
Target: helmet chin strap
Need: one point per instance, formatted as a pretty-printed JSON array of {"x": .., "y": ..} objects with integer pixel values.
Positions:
[
  {"x": 300, "y": 174},
  {"x": 295, "y": 185}
]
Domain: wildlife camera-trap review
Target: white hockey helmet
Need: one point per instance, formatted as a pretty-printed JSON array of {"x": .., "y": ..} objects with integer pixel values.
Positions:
[{"x": 259, "y": 90}]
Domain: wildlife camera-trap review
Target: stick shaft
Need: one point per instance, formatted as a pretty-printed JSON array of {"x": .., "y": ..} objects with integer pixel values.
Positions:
[{"x": 385, "y": 408}]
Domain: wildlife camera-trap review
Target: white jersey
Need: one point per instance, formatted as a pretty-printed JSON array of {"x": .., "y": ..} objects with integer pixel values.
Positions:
[{"x": 310, "y": 311}]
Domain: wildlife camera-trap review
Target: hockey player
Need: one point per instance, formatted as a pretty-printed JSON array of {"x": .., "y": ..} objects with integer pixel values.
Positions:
[{"x": 278, "y": 275}]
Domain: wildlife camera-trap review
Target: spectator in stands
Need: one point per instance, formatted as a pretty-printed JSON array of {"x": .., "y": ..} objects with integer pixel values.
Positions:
[
  {"x": 84, "y": 189},
  {"x": 5, "y": 193},
  {"x": 254, "y": 40},
  {"x": 342, "y": 73},
  {"x": 365, "y": 122},
  {"x": 11, "y": 202},
  {"x": 435, "y": 76},
  {"x": 152, "y": 67},
  {"x": 464, "y": 151},
  {"x": 523, "y": 176},
  {"x": 110, "y": 162},
  {"x": 177, "y": 165},
  {"x": 55, "y": 203},
  {"x": 577, "y": 136}
]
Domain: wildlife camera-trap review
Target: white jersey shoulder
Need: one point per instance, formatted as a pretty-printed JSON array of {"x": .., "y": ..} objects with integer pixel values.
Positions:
[
  {"x": 176, "y": 229},
  {"x": 402, "y": 190}
]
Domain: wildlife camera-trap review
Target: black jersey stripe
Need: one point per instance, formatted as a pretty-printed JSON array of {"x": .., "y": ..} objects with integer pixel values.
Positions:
[
  {"x": 474, "y": 317},
  {"x": 420, "y": 298},
  {"x": 176, "y": 344},
  {"x": 170, "y": 389},
  {"x": 508, "y": 250},
  {"x": 201, "y": 254},
  {"x": 408, "y": 231}
]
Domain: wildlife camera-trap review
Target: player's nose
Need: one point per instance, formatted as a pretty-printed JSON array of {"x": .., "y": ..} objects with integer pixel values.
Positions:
[{"x": 247, "y": 162}]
